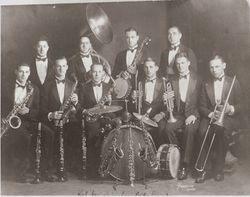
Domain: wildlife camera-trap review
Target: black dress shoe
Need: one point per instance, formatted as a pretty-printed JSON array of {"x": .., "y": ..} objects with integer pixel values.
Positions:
[
  {"x": 182, "y": 173},
  {"x": 202, "y": 177},
  {"x": 219, "y": 176},
  {"x": 36, "y": 180},
  {"x": 62, "y": 178}
]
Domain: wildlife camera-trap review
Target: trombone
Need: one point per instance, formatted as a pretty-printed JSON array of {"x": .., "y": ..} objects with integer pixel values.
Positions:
[{"x": 200, "y": 164}]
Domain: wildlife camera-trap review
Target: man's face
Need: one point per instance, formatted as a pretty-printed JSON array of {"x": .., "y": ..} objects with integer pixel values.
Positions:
[
  {"x": 174, "y": 36},
  {"x": 97, "y": 73},
  {"x": 61, "y": 68},
  {"x": 182, "y": 64},
  {"x": 132, "y": 38},
  {"x": 42, "y": 48},
  {"x": 150, "y": 69},
  {"x": 85, "y": 45},
  {"x": 217, "y": 67},
  {"x": 22, "y": 74}
]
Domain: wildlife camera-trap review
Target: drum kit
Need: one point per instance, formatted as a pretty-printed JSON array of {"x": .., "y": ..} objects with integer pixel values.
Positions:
[{"x": 128, "y": 151}]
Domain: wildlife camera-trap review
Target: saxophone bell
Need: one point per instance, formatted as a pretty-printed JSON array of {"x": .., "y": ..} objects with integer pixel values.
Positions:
[{"x": 15, "y": 122}]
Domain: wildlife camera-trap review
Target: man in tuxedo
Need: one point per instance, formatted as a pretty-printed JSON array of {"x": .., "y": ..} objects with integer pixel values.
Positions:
[
  {"x": 167, "y": 61},
  {"x": 55, "y": 93},
  {"x": 186, "y": 88},
  {"x": 152, "y": 102},
  {"x": 90, "y": 95},
  {"x": 80, "y": 63},
  {"x": 125, "y": 58},
  {"x": 16, "y": 143},
  {"x": 215, "y": 90},
  {"x": 41, "y": 65}
]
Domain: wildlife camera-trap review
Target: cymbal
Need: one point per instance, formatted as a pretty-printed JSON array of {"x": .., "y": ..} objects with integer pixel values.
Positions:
[
  {"x": 145, "y": 119},
  {"x": 103, "y": 109}
]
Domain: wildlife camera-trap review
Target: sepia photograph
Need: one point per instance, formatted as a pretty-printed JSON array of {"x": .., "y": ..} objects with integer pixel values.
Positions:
[{"x": 125, "y": 97}]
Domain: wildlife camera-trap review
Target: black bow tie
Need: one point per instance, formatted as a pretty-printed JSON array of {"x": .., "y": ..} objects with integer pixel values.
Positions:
[
  {"x": 97, "y": 85},
  {"x": 87, "y": 56},
  {"x": 20, "y": 86},
  {"x": 41, "y": 59},
  {"x": 174, "y": 47},
  {"x": 60, "y": 81},
  {"x": 132, "y": 50},
  {"x": 183, "y": 76},
  {"x": 218, "y": 79},
  {"x": 150, "y": 80}
]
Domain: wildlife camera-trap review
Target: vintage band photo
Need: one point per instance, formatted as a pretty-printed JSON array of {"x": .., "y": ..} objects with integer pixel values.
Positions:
[{"x": 125, "y": 97}]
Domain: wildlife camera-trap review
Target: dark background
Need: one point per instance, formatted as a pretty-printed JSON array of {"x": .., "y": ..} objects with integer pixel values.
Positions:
[{"x": 207, "y": 26}]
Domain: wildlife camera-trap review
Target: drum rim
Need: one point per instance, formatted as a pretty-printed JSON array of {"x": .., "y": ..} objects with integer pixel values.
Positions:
[{"x": 129, "y": 85}]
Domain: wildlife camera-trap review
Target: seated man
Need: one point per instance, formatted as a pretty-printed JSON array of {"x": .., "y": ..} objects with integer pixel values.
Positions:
[
  {"x": 20, "y": 98},
  {"x": 57, "y": 98},
  {"x": 186, "y": 91},
  {"x": 90, "y": 95},
  {"x": 215, "y": 91}
]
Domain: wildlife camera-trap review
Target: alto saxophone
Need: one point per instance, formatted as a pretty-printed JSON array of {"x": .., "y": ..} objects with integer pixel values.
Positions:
[
  {"x": 112, "y": 156},
  {"x": 7, "y": 122},
  {"x": 169, "y": 102}
]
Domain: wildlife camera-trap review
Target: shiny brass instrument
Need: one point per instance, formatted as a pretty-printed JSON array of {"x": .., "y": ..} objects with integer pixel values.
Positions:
[
  {"x": 214, "y": 123},
  {"x": 112, "y": 156},
  {"x": 12, "y": 118},
  {"x": 139, "y": 93},
  {"x": 169, "y": 102}
]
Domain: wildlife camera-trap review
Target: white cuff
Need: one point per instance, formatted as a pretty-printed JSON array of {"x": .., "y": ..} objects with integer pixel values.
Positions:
[{"x": 232, "y": 110}]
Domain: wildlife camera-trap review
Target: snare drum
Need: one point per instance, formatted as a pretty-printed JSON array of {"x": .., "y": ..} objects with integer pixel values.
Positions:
[
  {"x": 120, "y": 170},
  {"x": 168, "y": 157}
]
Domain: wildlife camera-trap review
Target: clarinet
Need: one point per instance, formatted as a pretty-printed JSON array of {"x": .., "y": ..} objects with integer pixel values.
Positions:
[
  {"x": 38, "y": 155},
  {"x": 84, "y": 151}
]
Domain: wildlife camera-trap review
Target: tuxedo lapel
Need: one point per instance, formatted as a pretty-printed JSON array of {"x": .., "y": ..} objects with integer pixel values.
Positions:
[
  {"x": 225, "y": 89},
  {"x": 175, "y": 85},
  {"x": 210, "y": 91},
  {"x": 67, "y": 90},
  {"x": 54, "y": 92},
  {"x": 157, "y": 89},
  {"x": 81, "y": 65},
  {"x": 91, "y": 93},
  {"x": 191, "y": 86}
]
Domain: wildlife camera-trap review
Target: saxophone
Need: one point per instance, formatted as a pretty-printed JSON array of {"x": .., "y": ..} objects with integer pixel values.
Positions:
[
  {"x": 12, "y": 117},
  {"x": 114, "y": 153}
]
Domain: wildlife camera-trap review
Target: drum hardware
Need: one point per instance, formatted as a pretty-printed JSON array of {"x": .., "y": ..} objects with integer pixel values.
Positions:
[
  {"x": 145, "y": 119},
  {"x": 168, "y": 158},
  {"x": 215, "y": 125},
  {"x": 84, "y": 151},
  {"x": 131, "y": 158},
  {"x": 169, "y": 102}
]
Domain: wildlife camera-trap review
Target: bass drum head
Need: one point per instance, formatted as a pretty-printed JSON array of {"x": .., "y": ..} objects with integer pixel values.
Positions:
[
  {"x": 121, "y": 168},
  {"x": 122, "y": 88},
  {"x": 168, "y": 156}
]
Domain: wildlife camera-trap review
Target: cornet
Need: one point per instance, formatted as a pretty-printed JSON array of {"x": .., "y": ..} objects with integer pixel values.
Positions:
[{"x": 170, "y": 101}]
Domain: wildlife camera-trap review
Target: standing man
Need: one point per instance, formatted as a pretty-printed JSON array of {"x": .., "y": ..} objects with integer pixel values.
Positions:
[
  {"x": 215, "y": 91},
  {"x": 167, "y": 62},
  {"x": 56, "y": 93},
  {"x": 90, "y": 95},
  {"x": 186, "y": 89},
  {"x": 81, "y": 62},
  {"x": 125, "y": 58},
  {"x": 16, "y": 143},
  {"x": 42, "y": 66}
]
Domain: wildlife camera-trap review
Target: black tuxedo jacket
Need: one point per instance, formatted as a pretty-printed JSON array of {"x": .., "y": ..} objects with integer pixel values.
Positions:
[
  {"x": 7, "y": 102},
  {"x": 164, "y": 60},
  {"x": 120, "y": 64},
  {"x": 34, "y": 78},
  {"x": 192, "y": 98},
  {"x": 76, "y": 67},
  {"x": 157, "y": 103},
  {"x": 50, "y": 100},
  {"x": 86, "y": 94},
  {"x": 208, "y": 102}
]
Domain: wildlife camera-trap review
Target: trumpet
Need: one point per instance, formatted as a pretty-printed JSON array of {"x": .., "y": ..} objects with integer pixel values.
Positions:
[
  {"x": 216, "y": 123},
  {"x": 169, "y": 102}
]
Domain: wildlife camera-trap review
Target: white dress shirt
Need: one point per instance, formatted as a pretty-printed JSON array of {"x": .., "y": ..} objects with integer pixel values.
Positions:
[
  {"x": 130, "y": 56},
  {"x": 60, "y": 89},
  {"x": 20, "y": 93},
  {"x": 42, "y": 67},
  {"x": 183, "y": 87},
  {"x": 149, "y": 90},
  {"x": 87, "y": 62},
  {"x": 97, "y": 92},
  {"x": 218, "y": 88},
  {"x": 171, "y": 55}
]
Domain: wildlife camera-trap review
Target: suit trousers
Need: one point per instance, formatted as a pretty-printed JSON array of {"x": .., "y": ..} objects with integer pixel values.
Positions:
[{"x": 184, "y": 136}]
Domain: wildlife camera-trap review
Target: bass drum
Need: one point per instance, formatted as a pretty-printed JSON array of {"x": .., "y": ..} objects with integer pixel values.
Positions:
[
  {"x": 122, "y": 88},
  {"x": 120, "y": 170},
  {"x": 168, "y": 157}
]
